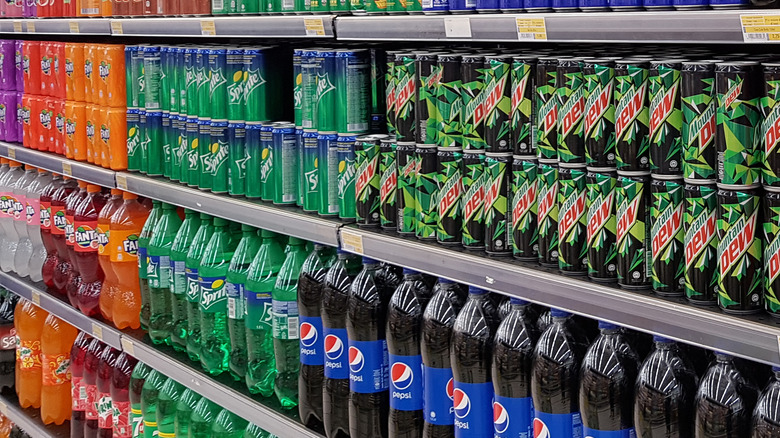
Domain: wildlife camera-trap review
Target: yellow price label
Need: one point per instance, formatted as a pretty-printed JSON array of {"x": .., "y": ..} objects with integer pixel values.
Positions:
[
  {"x": 36, "y": 298},
  {"x": 531, "y": 29},
  {"x": 74, "y": 26},
  {"x": 121, "y": 181},
  {"x": 352, "y": 242},
  {"x": 760, "y": 28},
  {"x": 18, "y": 26},
  {"x": 67, "y": 169},
  {"x": 97, "y": 331},
  {"x": 208, "y": 28},
  {"x": 127, "y": 346},
  {"x": 116, "y": 28},
  {"x": 314, "y": 26},
  {"x": 31, "y": 26},
  {"x": 12, "y": 153}
]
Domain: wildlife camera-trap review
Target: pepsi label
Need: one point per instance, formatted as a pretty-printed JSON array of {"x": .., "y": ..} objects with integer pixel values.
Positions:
[
  {"x": 311, "y": 341},
  {"x": 406, "y": 386},
  {"x": 593, "y": 433},
  {"x": 557, "y": 425},
  {"x": 513, "y": 417},
  {"x": 438, "y": 394},
  {"x": 336, "y": 356},
  {"x": 472, "y": 407},
  {"x": 368, "y": 366}
]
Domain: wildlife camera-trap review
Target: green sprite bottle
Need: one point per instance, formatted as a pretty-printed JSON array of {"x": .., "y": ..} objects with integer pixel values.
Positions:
[
  {"x": 255, "y": 431},
  {"x": 143, "y": 261},
  {"x": 149, "y": 397},
  {"x": 228, "y": 425},
  {"x": 178, "y": 283},
  {"x": 166, "y": 408},
  {"x": 191, "y": 267},
  {"x": 236, "y": 305},
  {"x": 184, "y": 407},
  {"x": 202, "y": 419},
  {"x": 137, "y": 380},
  {"x": 161, "y": 318}
]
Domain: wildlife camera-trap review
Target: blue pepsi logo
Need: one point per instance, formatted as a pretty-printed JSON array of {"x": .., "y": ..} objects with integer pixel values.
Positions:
[
  {"x": 356, "y": 360},
  {"x": 462, "y": 403},
  {"x": 308, "y": 334},
  {"x": 451, "y": 389},
  {"x": 540, "y": 429},
  {"x": 500, "y": 418},
  {"x": 333, "y": 347},
  {"x": 401, "y": 375}
]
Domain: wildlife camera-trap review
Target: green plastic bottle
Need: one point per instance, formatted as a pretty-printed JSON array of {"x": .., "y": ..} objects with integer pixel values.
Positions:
[
  {"x": 184, "y": 407},
  {"x": 137, "y": 380},
  {"x": 149, "y": 397},
  {"x": 228, "y": 425},
  {"x": 202, "y": 419},
  {"x": 255, "y": 431},
  {"x": 159, "y": 271},
  {"x": 236, "y": 306},
  {"x": 214, "y": 340},
  {"x": 143, "y": 261},
  {"x": 179, "y": 249},
  {"x": 286, "y": 324},
  {"x": 166, "y": 408},
  {"x": 261, "y": 365},
  {"x": 192, "y": 266}
]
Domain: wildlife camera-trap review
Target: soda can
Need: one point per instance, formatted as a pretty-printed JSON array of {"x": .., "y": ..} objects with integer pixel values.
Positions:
[
  {"x": 327, "y": 169},
  {"x": 565, "y": 5},
  {"x": 538, "y": 5},
  {"x": 193, "y": 159},
  {"x": 658, "y": 5},
  {"x": 167, "y": 165},
  {"x": 152, "y": 71},
  {"x": 309, "y": 84},
  {"x": 178, "y": 145},
  {"x": 216, "y": 161},
  {"x": 667, "y": 236},
  {"x": 729, "y": 4},
  {"x": 267, "y": 168},
  {"x": 204, "y": 154},
  {"x": 426, "y": 192},
  {"x": 405, "y": 96},
  {"x": 234, "y": 77},
  {"x": 665, "y": 117},
  {"x": 741, "y": 279},
  {"x": 134, "y": 147},
  {"x": 547, "y": 212},
  {"x": 486, "y": 6},
  {"x": 633, "y": 230},
  {"x": 602, "y": 253},
  {"x": 391, "y": 80},
  {"x": 546, "y": 108},
  {"x": 346, "y": 183},
  {"x": 253, "y": 187},
  {"x": 497, "y": 183},
  {"x": 325, "y": 92},
  {"x": 686, "y": 5},
  {"x": 340, "y": 7},
  {"x": 448, "y": 101},
  {"x": 523, "y": 212},
  {"x": 388, "y": 184},
  {"x": 772, "y": 250},
  {"x": 473, "y": 199},
  {"x": 190, "y": 81},
  {"x": 301, "y": 176},
  {"x": 425, "y": 113},
  {"x": 413, "y": 7},
  {"x": 319, "y": 6},
  {"x": 471, "y": 116},
  {"x": 523, "y": 69},
  {"x": 572, "y": 219},
  {"x": 218, "y": 83},
  {"x": 284, "y": 155},
  {"x": 180, "y": 82},
  {"x": 377, "y": 73},
  {"x": 372, "y": 7},
  {"x": 165, "y": 79},
  {"x": 701, "y": 242},
  {"x": 435, "y": 7},
  {"x": 699, "y": 110},
  {"x": 406, "y": 163},
  {"x": 255, "y": 87},
  {"x": 462, "y": 6},
  {"x": 625, "y": 5},
  {"x": 571, "y": 108},
  {"x": 204, "y": 84},
  {"x": 599, "y": 122},
  {"x": 497, "y": 104},
  {"x": 74, "y": 74},
  {"x": 154, "y": 141},
  {"x": 311, "y": 197},
  {"x": 351, "y": 80},
  {"x": 297, "y": 85},
  {"x": 631, "y": 115},
  {"x": 367, "y": 181},
  {"x": 770, "y": 126},
  {"x": 449, "y": 225}
]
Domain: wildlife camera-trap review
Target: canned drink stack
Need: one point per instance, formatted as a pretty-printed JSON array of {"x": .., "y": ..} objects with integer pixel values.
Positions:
[
  {"x": 699, "y": 111},
  {"x": 406, "y": 163},
  {"x": 599, "y": 120},
  {"x": 667, "y": 235},
  {"x": 546, "y": 109},
  {"x": 367, "y": 181},
  {"x": 497, "y": 106},
  {"x": 346, "y": 178},
  {"x": 633, "y": 229},
  {"x": 548, "y": 212},
  {"x": 471, "y": 116},
  {"x": 770, "y": 126},
  {"x": 701, "y": 242},
  {"x": 473, "y": 231},
  {"x": 425, "y": 110},
  {"x": 405, "y": 97},
  {"x": 388, "y": 184},
  {"x": 665, "y": 117},
  {"x": 522, "y": 104},
  {"x": 523, "y": 208},
  {"x": 285, "y": 160},
  {"x": 601, "y": 224},
  {"x": 448, "y": 101},
  {"x": 327, "y": 169}
]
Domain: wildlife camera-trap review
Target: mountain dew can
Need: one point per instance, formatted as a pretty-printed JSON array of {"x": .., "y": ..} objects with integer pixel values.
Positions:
[
  {"x": 498, "y": 183},
  {"x": 367, "y": 181},
  {"x": 390, "y": 83},
  {"x": 328, "y": 170},
  {"x": 701, "y": 242},
  {"x": 252, "y": 185},
  {"x": 426, "y": 192},
  {"x": 388, "y": 184},
  {"x": 667, "y": 236},
  {"x": 311, "y": 197},
  {"x": 405, "y": 96},
  {"x": 346, "y": 182},
  {"x": 570, "y": 94},
  {"x": 599, "y": 122},
  {"x": 267, "y": 169},
  {"x": 193, "y": 159},
  {"x": 697, "y": 90},
  {"x": 546, "y": 117},
  {"x": 472, "y": 118},
  {"x": 633, "y": 229},
  {"x": 235, "y": 75},
  {"x": 572, "y": 219},
  {"x": 547, "y": 212},
  {"x": 203, "y": 153},
  {"x": 772, "y": 251},
  {"x": 523, "y": 69},
  {"x": 325, "y": 91},
  {"x": 448, "y": 101},
  {"x": 770, "y": 127},
  {"x": 523, "y": 209},
  {"x": 473, "y": 199},
  {"x": 450, "y": 189},
  {"x": 285, "y": 161},
  {"x": 237, "y": 158},
  {"x": 406, "y": 164},
  {"x": 497, "y": 104},
  {"x": 602, "y": 254},
  {"x": 429, "y": 74},
  {"x": 217, "y": 160},
  {"x": 632, "y": 115},
  {"x": 665, "y": 130}
]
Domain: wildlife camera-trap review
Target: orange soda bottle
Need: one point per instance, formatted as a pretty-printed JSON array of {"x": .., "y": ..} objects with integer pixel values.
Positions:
[
  {"x": 5, "y": 426},
  {"x": 56, "y": 341},
  {"x": 110, "y": 282},
  {"x": 28, "y": 320}
]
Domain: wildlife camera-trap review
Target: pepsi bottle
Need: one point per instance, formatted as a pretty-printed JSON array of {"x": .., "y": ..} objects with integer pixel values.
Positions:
[
  {"x": 766, "y": 416},
  {"x": 724, "y": 401},
  {"x": 503, "y": 306},
  {"x": 368, "y": 361},
  {"x": 404, "y": 320},
  {"x": 438, "y": 321},
  {"x": 389, "y": 276},
  {"x": 545, "y": 320},
  {"x": 471, "y": 351},
  {"x": 664, "y": 393},
  {"x": 607, "y": 380},
  {"x": 335, "y": 388},
  {"x": 513, "y": 348},
  {"x": 555, "y": 375}
]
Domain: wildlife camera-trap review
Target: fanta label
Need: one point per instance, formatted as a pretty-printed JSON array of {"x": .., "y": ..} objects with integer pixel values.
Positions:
[
  {"x": 86, "y": 237},
  {"x": 124, "y": 245}
]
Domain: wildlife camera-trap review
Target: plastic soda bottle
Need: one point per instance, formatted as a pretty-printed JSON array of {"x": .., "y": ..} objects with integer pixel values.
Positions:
[
  {"x": 7, "y": 340},
  {"x": 178, "y": 283},
  {"x": 20, "y": 221},
  {"x": 125, "y": 226},
  {"x": 85, "y": 249},
  {"x": 78, "y": 393},
  {"x": 50, "y": 258},
  {"x": 184, "y": 407},
  {"x": 228, "y": 425},
  {"x": 68, "y": 268},
  {"x": 261, "y": 364},
  {"x": 110, "y": 284},
  {"x": 255, "y": 431},
  {"x": 215, "y": 342},
  {"x": 10, "y": 237},
  {"x": 166, "y": 408},
  {"x": 202, "y": 419},
  {"x": 120, "y": 395},
  {"x": 192, "y": 267},
  {"x": 766, "y": 415},
  {"x": 17, "y": 183},
  {"x": 91, "y": 363},
  {"x": 29, "y": 320},
  {"x": 149, "y": 396},
  {"x": 137, "y": 381},
  {"x": 159, "y": 273},
  {"x": 58, "y": 225},
  {"x": 56, "y": 342},
  {"x": 236, "y": 304},
  {"x": 31, "y": 254},
  {"x": 105, "y": 406},
  {"x": 143, "y": 260}
]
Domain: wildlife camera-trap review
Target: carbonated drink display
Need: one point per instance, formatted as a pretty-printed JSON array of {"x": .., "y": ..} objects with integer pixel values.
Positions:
[
  {"x": 471, "y": 350},
  {"x": 202, "y": 419},
  {"x": 105, "y": 405},
  {"x": 58, "y": 225},
  {"x": 120, "y": 395},
  {"x": 56, "y": 342},
  {"x": 29, "y": 320},
  {"x": 404, "y": 321},
  {"x": 724, "y": 401},
  {"x": 513, "y": 350},
  {"x": 255, "y": 431},
  {"x": 312, "y": 373},
  {"x": 68, "y": 268},
  {"x": 437, "y": 323},
  {"x": 285, "y": 325},
  {"x": 335, "y": 393},
  {"x": 50, "y": 261},
  {"x": 178, "y": 282},
  {"x": 31, "y": 254},
  {"x": 143, "y": 261},
  {"x": 260, "y": 282},
  {"x": 766, "y": 415},
  {"x": 184, "y": 407},
  {"x": 149, "y": 396},
  {"x": 228, "y": 425},
  {"x": 91, "y": 363},
  {"x": 192, "y": 266},
  {"x": 110, "y": 282},
  {"x": 8, "y": 341},
  {"x": 607, "y": 379},
  {"x": 78, "y": 402},
  {"x": 215, "y": 342},
  {"x": 236, "y": 299},
  {"x": 159, "y": 273},
  {"x": 10, "y": 237},
  {"x": 86, "y": 248},
  {"x": 555, "y": 375},
  {"x": 20, "y": 221},
  {"x": 137, "y": 381},
  {"x": 166, "y": 408}
]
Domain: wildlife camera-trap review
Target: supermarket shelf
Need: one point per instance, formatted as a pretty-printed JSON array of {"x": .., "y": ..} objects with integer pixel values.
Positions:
[
  {"x": 756, "y": 338},
  {"x": 57, "y": 26},
  {"x": 59, "y": 164},
  {"x": 286, "y": 220},
  {"x": 36, "y": 292},
  {"x": 282, "y": 26},
  {"x": 29, "y": 420},
  {"x": 222, "y": 390}
]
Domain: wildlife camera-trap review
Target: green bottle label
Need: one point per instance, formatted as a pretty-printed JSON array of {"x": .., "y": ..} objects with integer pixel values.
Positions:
[
  {"x": 159, "y": 271},
  {"x": 236, "y": 304},
  {"x": 285, "y": 319},
  {"x": 259, "y": 310},
  {"x": 213, "y": 296},
  {"x": 193, "y": 286}
]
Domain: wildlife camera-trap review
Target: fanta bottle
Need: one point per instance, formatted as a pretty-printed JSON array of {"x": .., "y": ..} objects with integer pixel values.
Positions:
[
  {"x": 91, "y": 363},
  {"x": 50, "y": 258},
  {"x": 69, "y": 270},
  {"x": 86, "y": 250},
  {"x": 10, "y": 238},
  {"x": 125, "y": 226},
  {"x": 56, "y": 342},
  {"x": 29, "y": 320},
  {"x": 110, "y": 284},
  {"x": 58, "y": 226},
  {"x": 78, "y": 392},
  {"x": 32, "y": 253},
  {"x": 20, "y": 215}
]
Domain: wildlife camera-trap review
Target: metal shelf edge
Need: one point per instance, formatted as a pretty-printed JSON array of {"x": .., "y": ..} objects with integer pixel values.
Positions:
[
  {"x": 29, "y": 420},
  {"x": 281, "y": 26},
  {"x": 59, "y": 164}
]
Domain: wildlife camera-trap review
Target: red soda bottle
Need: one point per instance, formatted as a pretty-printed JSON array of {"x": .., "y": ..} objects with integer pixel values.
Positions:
[
  {"x": 73, "y": 274},
  {"x": 85, "y": 249},
  {"x": 91, "y": 362},
  {"x": 46, "y": 223},
  {"x": 78, "y": 393},
  {"x": 110, "y": 283},
  {"x": 58, "y": 223},
  {"x": 105, "y": 408},
  {"x": 120, "y": 395}
]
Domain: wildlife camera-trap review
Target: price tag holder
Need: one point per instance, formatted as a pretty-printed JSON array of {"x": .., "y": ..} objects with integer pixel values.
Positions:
[
  {"x": 17, "y": 27},
  {"x": 127, "y": 346},
  {"x": 121, "y": 181},
  {"x": 97, "y": 331},
  {"x": 74, "y": 26},
  {"x": 67, "y": 169},
  {"x": 208, "y": 28},
  {"x": 531, "y": 29},
  {"x": 31, "y": 27},
  {"x": 760, "y": 28},
  {"x": 116, "y": 28},
  {"x": 457, "y": 27},
  {"x": 12, "y": 153},
  {"x": 314, "y": 26},
  {"x": 352, "y": 242},
  {"x": 36, "y": 298},
  {"x": 3, "y": 409}
]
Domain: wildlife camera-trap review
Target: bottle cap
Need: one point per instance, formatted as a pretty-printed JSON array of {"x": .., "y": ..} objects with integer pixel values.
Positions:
[
  {"x": 659, "y": 338},
  {"x": 245, "y": 227},
  {"x": 443, "y": 280},
  {"x": 167, "y": 206},
  {"x": 156, "y": 202},
  {"x": 604, "y": 325},
  {"x": 369, "y": 261},
  {"x": 219, "y": 222},
  {"x": 775, "y": 368},
  {"x": 128, "y": 195},
  {"x": 42, "y": 170},
  {"x": 295, "y": 241},
  {"x": 265, "y": 234},
  {"x": 188, "y": 211},
  {"x": 409, "y": 271},
  {"x": 558, "y": 313},
  {"x": 30, "y": 168},
  {"x": 116, "y": 192},
  {"x": 518, "y": 301},
  {"x": 722, "y": 355},
  {"x": 473, "y": 290},
  {"x": 82, "y": 184},
  {"x": 13, "y": 163},
  {"x": 92, "y": 188},
  {"x": 205, "y": 217}
]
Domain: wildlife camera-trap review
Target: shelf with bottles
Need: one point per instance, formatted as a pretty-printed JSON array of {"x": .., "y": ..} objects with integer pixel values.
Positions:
[
  {"x": 29, "y": 420},
  {"x": 58, "y": 164}
]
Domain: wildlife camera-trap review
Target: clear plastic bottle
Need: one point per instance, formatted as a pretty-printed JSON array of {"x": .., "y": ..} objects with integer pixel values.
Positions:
[
  {"x": 166, "y": 407},
  {"x": 184, "y": 407},
  {"x": 20, "y": 214},
  {"x": 159, "y": 273},
  {"x": 10, "y": 238},
  {"x": 31, "y": 254}
]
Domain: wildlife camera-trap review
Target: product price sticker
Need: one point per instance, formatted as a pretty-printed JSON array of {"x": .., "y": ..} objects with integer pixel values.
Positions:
[
  {"x": 17, "y": 26},
  {"x": 12, "y": 153},
  {"x": 208, "y": 28},
  {"x": 121, "y": 181},
  {"x": 127, "y": 346},
  {"x": 531, "y": 29},
  {"x": 760, "y": 28},
  {"x": 457, "y": 27},
  {"x": 314, "y": 26},
  {"x": 30, "y": 26},
  {"x": 352, "y": 242},
  {"x": 73, "y": 26},
  {"x": 67, "y": 169},
  {"x": 116, "y": 28}
]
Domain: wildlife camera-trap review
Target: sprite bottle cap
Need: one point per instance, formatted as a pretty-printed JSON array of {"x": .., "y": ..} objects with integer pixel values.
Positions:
[{"x": 219, "y": 222}]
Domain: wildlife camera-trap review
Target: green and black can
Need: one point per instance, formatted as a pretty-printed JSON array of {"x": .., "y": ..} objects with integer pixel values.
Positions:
[
  {"x": 390, "y": 84},
  {"x": 405, "y": 96},
  {"x": 523, "y": 75},
  {"x": 632, "y": 230},
  {"x": 547, "y": 212},
  {"x": 772, "y": 251},
  {"x": 448, "y": 101},
  {"x": 367, "y": 181},
  {"x": 497, "y": 104},
  {"x": 407, "y": 178},
  {"x": 546, "y": 117},
  {"x": 666, "y": 156},
  {"x": 599, "y": 121},
  {"x": 525, "y": 230},
  {"x": 473, "y": 199},
  {"x": 426, "y": 192},
  {"x": 770, "y": 127},
  {"x": 498, "y": 183},
  {"x": 388, "y": 184},
  {"x": 425, "y": 111},
  {"x": 472, "y": 126},
  {"x": 632, "y": 115},
  {"x": 701, "y": 242},
  {"x": 699, "y": 111},
  {"x": 602, "y": 254},
  {"x": 449, "y": 227},
  {"x": 570, "y": 93},
  {"x": 572, "y": 220},
  {"x": 667, "y": 236}
]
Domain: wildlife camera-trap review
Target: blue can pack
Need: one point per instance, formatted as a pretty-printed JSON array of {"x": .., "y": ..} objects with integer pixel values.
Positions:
[
  {"x": 513, "y": 417},
  {"x": 472, "y": 405},
  {"x": 537, "y": 5},
  {"x": 438, "y": 392},
  {"x": 625, "y": 433},
  {"x": 623, "y": 5},
  {"x": 368, "y": 366},
  {"x": 510, "y": 5},
  {"x": 487, "y": 5},
  {"x": 565, "y": 5},
  {"x": 690, "y": 4},
  {"x": 728, "y": 4},
  {"x": 462, "y": 6},
  {"x": 658, "y": 4},
  {"x": 594, "y": 5},
  {"x": 311, "y": 340},
  {"x": 336, "y": 353},
  {"x": 435, "y": 6},
  {"x": 555, "y": 425},
  {"x": 406, "y": 383}
]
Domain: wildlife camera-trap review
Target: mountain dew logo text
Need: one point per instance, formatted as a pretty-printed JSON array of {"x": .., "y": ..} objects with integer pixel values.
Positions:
[
  {"x": 474, "y": 199},
  {"x": 703, "y": 127},
  {"x": 627, "y": 217},
  {"x": 571, "y": 112},
  {"x": 771, "y": 130},
  {"x": 493, "y": 190},
  {"x": 666, "y": 227},
  {"x": 324, "y": 86},
  {"x": 365, "y": 173},
  {"x": 733, "y": 93},
  {"x": 491, "y": 96},
  {"x": 772, "y": 260},
  {"x": 549, "y": 115},
  {"x": 450, "y": 193},
  {"x": 46, "y": 65},
  {"x": 661, "y": 106},
  {"x": 525, "y": 197},
  {"x": 390, "y": 96},
  {"x": 628, "y": 108},
  {"x": 699, "y": 234},
  {"x": 435, "y": 77},
  {"x": 597, "y": 104},
  {"x": 736, "y": 242},
  {"x": 570, "y": 212},
  {"x": 389, "y": 182},
  {"x": 103, "y": 70},
  {"x": 518, "y": 91},
  {"x": 599, "y": 213},
  {"x": 216, "y": 79},
  {"x": 253, "y": 81},
  {"x": 212, "y": 291},
  {"x": 404, "y": 91},
  {"x": 548, "y": 193}
]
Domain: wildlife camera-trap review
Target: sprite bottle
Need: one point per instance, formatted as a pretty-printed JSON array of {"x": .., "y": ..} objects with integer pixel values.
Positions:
[
  {"x": 150, "y": 394},
  {"x": 191, "y": 267},
  {"x": 236, "y": 304},
  {"x": 166, "y": 408},
  {"x": 137, "y": 380},
  {"x": 202, "y": 419},
  {"x": 143, "y": 261},
  {"x": 178, "y": 283},
  {"x": 184, "y": 407},
  {"x": 228, "y": 425},
  {"x": 214, "y": 342},
  {"x": 261, "y": 365},
  {"x": 285, "y": 324},
  {"x": 161, "y": 319},
  {"x": 255, "y": 431}
]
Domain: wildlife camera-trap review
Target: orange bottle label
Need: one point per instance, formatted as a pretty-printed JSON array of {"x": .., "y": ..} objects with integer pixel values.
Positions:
[
  {"x": 102, "y": 238},
  {"x": 124, "y": 245},
  {"x": 85, "y": 236},
  {"x": 56, "y": 369},
  {"x": 28, "y": 354}
]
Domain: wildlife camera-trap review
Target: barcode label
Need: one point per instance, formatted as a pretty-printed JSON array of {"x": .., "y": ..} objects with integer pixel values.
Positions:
[
  {"x": 231, "y": 308},
  {"x": 217, "y": 4},
  {"x": 287, "y": 5},
  {"x": 292, "y": 327},
  {"x": 757, "y": 36},
  {"x": 526, "y": 36}
]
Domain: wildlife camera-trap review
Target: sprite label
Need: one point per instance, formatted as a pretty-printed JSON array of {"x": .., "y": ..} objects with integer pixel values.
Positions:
[
  {"x": 772, "y": 256},
  {"x": 602, "y": 254},
  {"x": 213, "y": 295},
  {"x": 448, "y": 107},
  {"x": 665, "y": 120},
  {"x": 667, "y": 237},
  {"x": 738, "y": 118},
  {"x": 572, "y": 221},
  {"x": 571, "y": 108},
  {"x": 701, "y": 244},
  {"x": 426, "y": 194},
  {"x": 599, "y": 120},
  {"x": 521, "y": 108},
  {"x": 631, "y": 232},
  {"x": 427, "y": 89},
  {"x": 698, "y": 131},
  {"x": 632, "y": 119},
  {"x": 450, "y": 191},
  {"x": 548, "y": 213},
  {"x": 770, "y": 133},
  {"x": 407, "y": 177},
  {"x": 473, "y": 200},
  {"x": 546, "y": 115},
  {"x": 388, "y": 184},
  {"x": 525, "y": 233},
  {"x": 740, "y": 268}
]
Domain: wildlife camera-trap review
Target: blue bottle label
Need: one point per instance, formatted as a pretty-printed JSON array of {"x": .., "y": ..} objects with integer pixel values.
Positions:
[
  {"x": 438, "y": 392},
  {"x": 406, "y": 383},
  {"x": 336, "y": 355},
  {"x": 311, "y": 340},
  {"x": 557, "y": 425},
  {"x": 593, "y": 433},
  {"x": 368, "y": 366},
  {"x": 513, "y": 417},
  {"x": 259, "y": 310},
  {"x": 472, "y": 406},
  {"x": 236, "y": 302}
]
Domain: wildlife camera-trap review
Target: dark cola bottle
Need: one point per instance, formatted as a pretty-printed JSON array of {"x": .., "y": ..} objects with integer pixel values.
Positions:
[
  {"x": 725, "y": 401},
  {"x": 766, "y": 415}
]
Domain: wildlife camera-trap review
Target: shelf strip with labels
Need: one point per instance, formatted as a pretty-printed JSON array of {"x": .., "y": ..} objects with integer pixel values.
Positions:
[
  {"x": 59, "y": 164},
  {"x": 279, "y": 26}
]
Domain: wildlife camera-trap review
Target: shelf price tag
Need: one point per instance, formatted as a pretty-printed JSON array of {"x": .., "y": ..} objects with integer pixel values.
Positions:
[
  {"x": 457, "y": 27},
  {"x": 314, "y": 26},
  {"x": 67, "y": 169},
  {"x": 116, "y": 28},
  {"x": 3, "y": 408},
  {"x": 127, "y": 346},
  {"x": 74, "y": 26},
  {"x": 352, "y": 242},
  {"x": 30, "y": 26},
  {"x": 97, "y": 331},
  {"x": 36, "y": 298},
  {"x": 17, "y": 26},
  {"x": 12, "y": 153},
  {"x": 121, "y": 181},
  {"x": 531, "y": 29},
  {"x": 760, "y": 28},
  {"x": 208, "y": 28}
]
